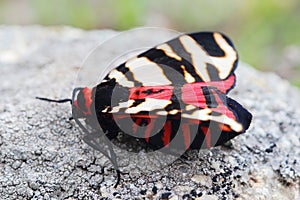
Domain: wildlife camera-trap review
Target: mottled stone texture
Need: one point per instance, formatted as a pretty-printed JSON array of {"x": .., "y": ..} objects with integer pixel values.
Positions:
[{"x": 43, "y": 156}]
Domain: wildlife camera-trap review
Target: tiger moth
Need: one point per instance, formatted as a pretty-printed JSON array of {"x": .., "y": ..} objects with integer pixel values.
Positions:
[{"x": 172, "y": 96}]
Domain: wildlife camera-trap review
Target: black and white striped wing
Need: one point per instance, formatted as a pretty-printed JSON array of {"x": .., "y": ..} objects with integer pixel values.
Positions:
[{"x": 189, "y": 58}]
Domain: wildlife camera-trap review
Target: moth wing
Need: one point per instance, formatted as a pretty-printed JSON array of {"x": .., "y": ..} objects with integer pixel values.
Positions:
[
  {"x": 218, "y": 108},
  {"x": 161, "y": 123},
  {"x": 197, "y": 57}
]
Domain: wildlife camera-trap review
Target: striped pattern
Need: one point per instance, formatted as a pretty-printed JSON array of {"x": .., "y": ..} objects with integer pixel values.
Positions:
[
  {"x": 198, "y": 57},
  {"x": 174, "y": 95}
]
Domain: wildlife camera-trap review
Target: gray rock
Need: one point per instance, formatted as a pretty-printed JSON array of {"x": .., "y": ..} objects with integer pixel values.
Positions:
[{"x": 43, "y": 156}]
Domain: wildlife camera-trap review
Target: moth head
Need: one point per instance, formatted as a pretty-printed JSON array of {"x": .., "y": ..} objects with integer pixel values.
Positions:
[{"x": 82, "y": 102}]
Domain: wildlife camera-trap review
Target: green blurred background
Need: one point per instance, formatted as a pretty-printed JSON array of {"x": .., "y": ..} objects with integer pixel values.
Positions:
[{"x": 265, "y": 32}]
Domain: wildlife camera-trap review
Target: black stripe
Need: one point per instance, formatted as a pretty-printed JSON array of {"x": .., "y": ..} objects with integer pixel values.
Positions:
[
  {"x": 179, "y": 49},
  {"x": 242, "y": 115},
  {"x": 214, "y": 113},
  {"x": 106, "y": 78},
  {"x": 174, "y": 105},
  {"x": 143, "y": 122},
  {"x": 128, "y": 74},
  {"x": 208, "y": 43},
  {"x": 213, "y": 72},
  {"x": 221, "y": 95},
  {"x": 137, "y": 102},
  {"x": 209, "y": 97},
  {"x": 167, "y": 64}
]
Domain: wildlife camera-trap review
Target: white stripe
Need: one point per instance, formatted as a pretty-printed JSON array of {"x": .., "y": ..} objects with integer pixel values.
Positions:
[
  {"x": 187, "y": 76},
  {"x": 165, "y": 113},
  {"x": 168, "y": 51},
  {"x": 224, "y": 64},
  {"x": 120, "y": 78},
  {"x": 147, "y": 72},
  {"x": 204, "y": 115},
  {"x": 190, "y": 107},
  {"x": 200, "y": 114},
  {"x": 173, "y": 112},
  {"x": 149, "y": 105},
  {"x": 105, "y": 110},
  {"x": 126, "y": 104},
  {"x": 198, "y": 55},
  {"x": 162, "y": 112}
]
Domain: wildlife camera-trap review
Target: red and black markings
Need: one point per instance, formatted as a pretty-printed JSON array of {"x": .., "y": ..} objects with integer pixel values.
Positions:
[
  {"x": 199, "y": 70},
  {"x": 163, "y": 136},
  {"x": 84, "y": 101},
  {"x": 172, "y": 96}
]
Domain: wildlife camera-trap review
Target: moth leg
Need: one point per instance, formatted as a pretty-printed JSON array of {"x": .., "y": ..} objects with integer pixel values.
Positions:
[{"x": 91, "y": 140}]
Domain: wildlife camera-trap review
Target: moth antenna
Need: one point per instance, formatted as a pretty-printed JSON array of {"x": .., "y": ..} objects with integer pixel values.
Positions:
[{"x": 55, "y": 100}]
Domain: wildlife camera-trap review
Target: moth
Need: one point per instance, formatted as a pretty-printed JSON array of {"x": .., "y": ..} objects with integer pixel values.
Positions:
[{"x": 172, "y": 96}]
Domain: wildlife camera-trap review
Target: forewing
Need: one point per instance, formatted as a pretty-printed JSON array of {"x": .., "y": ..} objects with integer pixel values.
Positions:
[{"x": 197, "y": 57}]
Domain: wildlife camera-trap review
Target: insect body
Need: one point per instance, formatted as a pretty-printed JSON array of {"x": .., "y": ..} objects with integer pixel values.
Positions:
[{"x": 173, "y": 96}]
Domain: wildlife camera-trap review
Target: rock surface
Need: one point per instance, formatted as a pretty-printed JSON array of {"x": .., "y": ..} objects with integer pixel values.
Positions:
[{"x": 43, "y": 156}]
